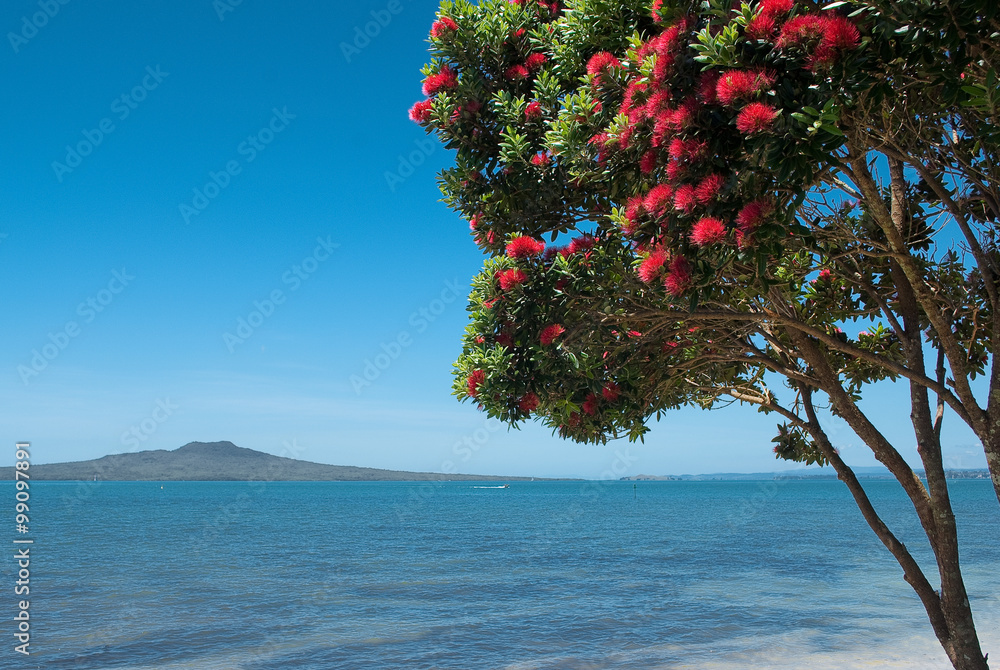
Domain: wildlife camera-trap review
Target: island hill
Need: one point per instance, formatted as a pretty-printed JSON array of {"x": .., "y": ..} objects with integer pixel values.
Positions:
[{"x": 223, "y": 461}]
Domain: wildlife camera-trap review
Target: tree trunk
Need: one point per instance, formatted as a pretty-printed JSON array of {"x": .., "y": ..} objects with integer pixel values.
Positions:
[{"x": 949, "y": 610}]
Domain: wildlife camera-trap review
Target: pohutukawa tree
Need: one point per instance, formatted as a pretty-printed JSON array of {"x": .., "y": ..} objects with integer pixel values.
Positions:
[{"x": 736, "y": 182}]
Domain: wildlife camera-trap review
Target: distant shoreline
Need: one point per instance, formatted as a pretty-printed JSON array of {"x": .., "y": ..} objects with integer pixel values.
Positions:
[
  {"x": 818, "y": 475},
  {"x": 226, "y": 462}
]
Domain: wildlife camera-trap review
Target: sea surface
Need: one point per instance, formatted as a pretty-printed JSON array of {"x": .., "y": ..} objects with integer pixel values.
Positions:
[{"x": 569, "y": 575}]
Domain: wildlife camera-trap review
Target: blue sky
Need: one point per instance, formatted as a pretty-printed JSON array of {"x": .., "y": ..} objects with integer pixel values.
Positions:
[{"x": 172, "y": 168}]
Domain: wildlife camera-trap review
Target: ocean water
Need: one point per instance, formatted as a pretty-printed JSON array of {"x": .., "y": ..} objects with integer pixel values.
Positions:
[{"x": 568, "y": 575}]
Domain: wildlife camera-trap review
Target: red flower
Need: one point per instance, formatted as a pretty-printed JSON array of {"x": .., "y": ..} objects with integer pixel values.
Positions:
[
  {"x": 524, "y": 247},
  {"x": 839, "y": 34},
  {"x": 825, "y": 274},
  {"x": 675, "y": 170},
  {"x": 582, "y": 243},
  {"x": 762, "y": 27},
  {"x": 708, "y": 188},
  {"x": 687, "y": 149},
  {"x": 650, "y": 267},
  {"x": 421, "y": 111},
  {"x": 667, "y": 47},
  {"x": 708, "y": 231},
  {"x": 535, "y": 61},
  {"x": 445, "y": 79},
  {"x": 830, "y": 33},
  {"x": 657, "y": 201},
  {"x": 505, "y": 340},
  {"x": 550, "y": 333},
  {"x": 801, "y": 30},
  {"x": 528, "y": 402},
  {"x": 552, "y": 6},
  {"x": 766, "y": 22},
  {"x": 776, "y": 7},
  {"x": 634, "y": 209},
  {"x": 473, "y": 382},
  {"x": 679, "y": 278},
  {"x": 600, "y": 62},
  {"x": 648, "y": 161},
  {"x": 589, "y": 405},
  {"x": 541, "y": 159},
  {"x": 625, "y": 136},
  {"x": 610, "y": 391},
  {"x": 754, "y": 214},
  {"x": 632, "y": 103},
  {"x": 685, "y": 199},
  {"x": 684, "y": 115},
  {"x": 516, "y": 72},
  {"x": 707, "y": 83},
  {"x": 533, "y": 110},
  {"x": 443, "y": 27},
  {"x": 658, "y": 102},
  {"x": 738, "y": 85},
  {"x": 756, "y": 117},
  {"x": 510, "y": 278}
]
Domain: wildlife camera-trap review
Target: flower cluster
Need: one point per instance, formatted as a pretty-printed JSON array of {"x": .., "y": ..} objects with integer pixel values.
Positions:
[
  {"x": 698, "y": 194},
  {"x": 524, "y": 247},
  {"x": 681, "y": 166}
]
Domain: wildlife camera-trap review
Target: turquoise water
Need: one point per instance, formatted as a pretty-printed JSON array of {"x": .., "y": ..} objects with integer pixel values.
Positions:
[{"x": 568, "y": 575}]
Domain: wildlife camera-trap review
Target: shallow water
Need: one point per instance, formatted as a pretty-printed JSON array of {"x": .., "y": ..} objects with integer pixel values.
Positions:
[{"x": 569, "y": 575}]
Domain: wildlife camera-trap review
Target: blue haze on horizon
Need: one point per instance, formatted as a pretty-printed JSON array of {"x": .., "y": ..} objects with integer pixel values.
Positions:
[{"x": 148, "y": 364}]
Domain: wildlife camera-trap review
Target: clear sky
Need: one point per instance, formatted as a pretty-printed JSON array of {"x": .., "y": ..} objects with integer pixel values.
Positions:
[{"x": 172, "y": 168}]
